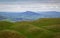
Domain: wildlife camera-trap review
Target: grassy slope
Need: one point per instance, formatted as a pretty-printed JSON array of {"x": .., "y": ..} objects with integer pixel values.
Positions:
[{"x": 41, "y": 28}]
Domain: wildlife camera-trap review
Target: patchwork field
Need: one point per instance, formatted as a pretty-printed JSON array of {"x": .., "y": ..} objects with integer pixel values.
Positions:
[{"x": 41, "y": 28}]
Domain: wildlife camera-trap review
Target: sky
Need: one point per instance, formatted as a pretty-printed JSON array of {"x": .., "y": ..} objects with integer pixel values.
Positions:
[{"x": 29, "y": 5}]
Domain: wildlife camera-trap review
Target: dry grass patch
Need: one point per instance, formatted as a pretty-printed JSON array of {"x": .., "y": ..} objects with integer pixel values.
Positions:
[{"x": 10, "y": 34}]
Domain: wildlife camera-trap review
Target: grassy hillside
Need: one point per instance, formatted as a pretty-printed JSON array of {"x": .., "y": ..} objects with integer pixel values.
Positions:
[{"x": 41, "y": 28}]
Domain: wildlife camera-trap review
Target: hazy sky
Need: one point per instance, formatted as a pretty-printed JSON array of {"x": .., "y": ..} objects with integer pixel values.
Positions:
[{"x": 29, "y": 5}]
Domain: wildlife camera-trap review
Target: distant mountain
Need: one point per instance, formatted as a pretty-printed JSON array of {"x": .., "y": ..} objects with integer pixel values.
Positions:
[
  {"x": 29, "y": 15},
  {"x": 52, "y": 14},
  {"x": 2, "y": 17}
]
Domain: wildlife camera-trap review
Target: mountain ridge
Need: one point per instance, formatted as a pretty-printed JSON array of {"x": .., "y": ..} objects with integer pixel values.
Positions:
[{"x": 29, "y": 15}]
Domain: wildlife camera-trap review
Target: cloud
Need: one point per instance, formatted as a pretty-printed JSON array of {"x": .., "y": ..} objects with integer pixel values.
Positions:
[
  {"x": 29, "y": 7},
  {"x": 36, "y": 1}
]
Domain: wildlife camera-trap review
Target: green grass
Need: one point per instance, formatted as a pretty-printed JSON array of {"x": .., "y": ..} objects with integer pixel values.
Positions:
[{"x": 41, "y": 28}]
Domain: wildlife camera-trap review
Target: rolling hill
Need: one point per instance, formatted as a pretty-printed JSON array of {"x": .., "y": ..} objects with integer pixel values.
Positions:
[{"x": 41, "y": 28}]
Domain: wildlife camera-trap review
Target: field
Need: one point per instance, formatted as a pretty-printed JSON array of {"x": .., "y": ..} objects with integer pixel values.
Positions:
[{"x": 41, "y": 28}]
